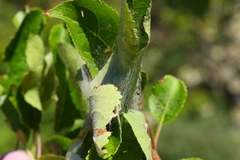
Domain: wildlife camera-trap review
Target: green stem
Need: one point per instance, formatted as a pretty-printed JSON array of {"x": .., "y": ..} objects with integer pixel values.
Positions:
[
  {"x": 39, "y": 145},
  {"x": 159, "y": 128}
]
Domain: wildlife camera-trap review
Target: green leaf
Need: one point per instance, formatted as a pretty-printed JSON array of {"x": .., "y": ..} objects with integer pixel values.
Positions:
[
  {"x": 51, "y": 157},
  {"x": 129, "y": 148},
  {"x": 57, "y": 145},
  {"x": 35, "y": 61},
  {"x": 138, "y": 123},
  {"x": 80, "y": 147},
  {"x": 58, "y": 34},
  {"x": 5, "y": 85},
  {"x": 49, "y": 84},
  {"x": 191, "y": 159},
  {"x": 15, "y": 52},
  {"x": 89, "y": 23},
  {"x": 144, "y": 79},
  {"x": 70, "y": 58},
  {"x": 18, "y": 18},
  {"x": 104, "y": 100},
  {"x": 30, "y": 116},
  {"x": 67, "y": 110},
  {"x": 167, "y": 99},
  {"x": 132, "y": 39},
  {"x": 14, "y": 120}
]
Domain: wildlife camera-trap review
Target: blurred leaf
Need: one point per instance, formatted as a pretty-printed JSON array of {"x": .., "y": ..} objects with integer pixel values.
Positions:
[
  {"x": 18, "y": 18},
  {"x": 13, "y": 119},
  {"x": 66, "y": 111},
  {"x": 167, "y": 99},
  {"x": 191, "y": 159},
  {"x": 31, "y": 117},
  {"x": 51, "y": 157},
  {"x": 80, "y": 147},
  {"x": 58, "y": 34},
  {"x": 49, "y": 84},
  {"x": 138, "y": 124},
  {"x": 69, "y": 56},
  {"x": 92, "y": 38},
  {"x": 5, "y": 85},
  {"x": 144, "y": 79},
  {"x": 15, "y": 52},
  {"x": 103, "y": 101},
  {"x": 35, "y": 61},
  {"x": 57, "y": 145}
]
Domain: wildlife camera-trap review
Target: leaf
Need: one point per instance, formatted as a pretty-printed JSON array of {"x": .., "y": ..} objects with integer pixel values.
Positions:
[
  {"x": 80, "y": 147},
  {"x": 132, "y": 39},
  {"x": 35, "y": 61},
  {"x": 58, "y": 34},
  {"x": 89, "y": 23},
  {"x": 129, "y": 148},
  {"x": 57, "y": 145},
  {"x": 13, "y": 119},
  {"x": 30, "y": 116},
  {"x": 70, "y": 57},
  {"x": 66, "y": 110},
  {"x": 191, "y": 159},
  {"x": 167, "y": 99},
  {"x": 144, "y": 80},
  {"x": 139, "y": 126},
  {"x": 18, "y": 18},
  {"x": 49, "y": 84},
  {"x": 15, "y": 52},
  {"x": 104, "y": 100},
  {"x": 51, "y": 157}
]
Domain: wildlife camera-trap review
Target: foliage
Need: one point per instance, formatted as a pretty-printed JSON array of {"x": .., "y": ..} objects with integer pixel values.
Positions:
[{"x": 101, "y": 52}]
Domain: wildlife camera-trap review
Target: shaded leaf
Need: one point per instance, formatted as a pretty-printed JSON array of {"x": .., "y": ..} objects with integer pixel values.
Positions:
[
  {"x": 138, "y": 124},
  {"x": 144, "y": 79},
  {"x": 66, "y": 111},
  {"x": 191, "y": 159},
  {"x": 69, "y": 57},
  {"x": 167, "y": 99},
  {"x": 14, "y": 120},
  {"x": 51, "y": 157},
  {"x": 49, "y": 84},
  {"x": 57, "y": 145},
  {"x": 30, "y": 116}
]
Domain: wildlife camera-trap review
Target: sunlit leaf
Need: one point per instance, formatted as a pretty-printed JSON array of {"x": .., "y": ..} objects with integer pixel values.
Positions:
[
  {"x": 15, "y": 52},
  {"x": 138, "y": 124},
  {"x": 89, "y": 24},
  {"x": 104, "y": 100},
  {"x": 35, "y": 61},
  {"x": 167, "y": 99}
]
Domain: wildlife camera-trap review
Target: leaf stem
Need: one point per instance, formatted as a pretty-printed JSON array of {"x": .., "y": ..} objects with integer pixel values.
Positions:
[
  {"x": 159, "y": 128},
  {"x": 39, "y": 145}
]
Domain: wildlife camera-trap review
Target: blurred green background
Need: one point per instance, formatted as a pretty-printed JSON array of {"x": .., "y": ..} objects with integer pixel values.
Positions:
[{"x": 198, "y": 42}]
